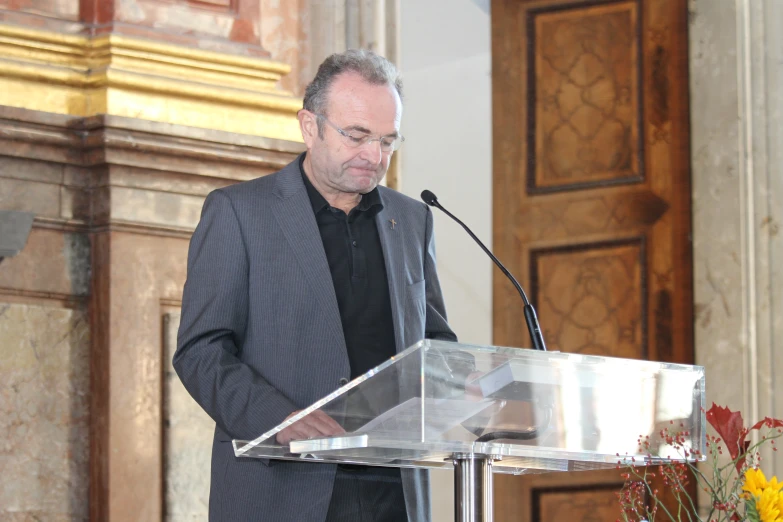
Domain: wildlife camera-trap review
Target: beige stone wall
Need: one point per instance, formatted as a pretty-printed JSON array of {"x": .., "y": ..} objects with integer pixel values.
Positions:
[
  {"x": 301, "y": 33},
  {"x": 285, "y": 33},
  {"x": 736, "y": 76},
  {"x": 44, "y": 413},
  {"x": 99, "y": 426},
  {"x": 187, "y": 442},
  {"x": 44, "y": 348}
]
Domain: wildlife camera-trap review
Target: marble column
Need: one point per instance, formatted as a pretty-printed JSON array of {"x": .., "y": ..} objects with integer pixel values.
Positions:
[{"x": 736, "y": 78}]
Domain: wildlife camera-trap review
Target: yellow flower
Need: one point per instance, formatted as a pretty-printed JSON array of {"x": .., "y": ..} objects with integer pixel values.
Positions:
[
  {"x": 755, "y": 482},
  {"x": 768, "y": 506}
]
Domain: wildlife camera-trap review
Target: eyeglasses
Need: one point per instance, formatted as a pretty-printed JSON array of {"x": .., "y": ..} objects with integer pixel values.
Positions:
[{"x": 357, "y": 139}]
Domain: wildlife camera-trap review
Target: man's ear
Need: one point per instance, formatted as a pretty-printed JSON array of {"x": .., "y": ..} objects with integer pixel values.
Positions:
[{"x": 308, "y": 124}]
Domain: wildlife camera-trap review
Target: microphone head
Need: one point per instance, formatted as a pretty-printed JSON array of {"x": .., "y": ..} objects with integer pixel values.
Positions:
[{"x": 429, "y": 198}]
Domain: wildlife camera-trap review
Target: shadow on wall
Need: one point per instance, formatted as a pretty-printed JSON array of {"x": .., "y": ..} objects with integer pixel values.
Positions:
[{"x": 14, "y": 229}]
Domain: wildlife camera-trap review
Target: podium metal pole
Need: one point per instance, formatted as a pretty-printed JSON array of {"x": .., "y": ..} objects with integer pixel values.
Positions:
[{"x": 472, "y": 487}]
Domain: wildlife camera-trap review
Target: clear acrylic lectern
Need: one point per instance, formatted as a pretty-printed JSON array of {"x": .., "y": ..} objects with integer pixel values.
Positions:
[{"x": 485, "y": 409}]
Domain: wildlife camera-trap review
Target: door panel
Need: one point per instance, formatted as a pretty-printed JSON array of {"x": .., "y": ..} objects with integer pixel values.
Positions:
[
  {"x": 591, "y": 199},
  {"x": 591, "y": 297}
]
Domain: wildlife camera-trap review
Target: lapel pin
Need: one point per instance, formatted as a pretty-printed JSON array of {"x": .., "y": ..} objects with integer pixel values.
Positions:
[{"x": 393, "y": 223}]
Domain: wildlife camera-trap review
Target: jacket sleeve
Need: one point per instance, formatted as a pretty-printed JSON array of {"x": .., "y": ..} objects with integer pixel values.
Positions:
[
  {"x": 213, "y": 327},
  {"x": 436, "y": 326}
]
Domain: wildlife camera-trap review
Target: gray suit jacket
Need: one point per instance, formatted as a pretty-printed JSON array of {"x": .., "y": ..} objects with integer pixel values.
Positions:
[{"x": 261, "y": 334}]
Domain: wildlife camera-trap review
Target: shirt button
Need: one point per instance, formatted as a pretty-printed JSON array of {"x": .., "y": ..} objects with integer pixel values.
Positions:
[
  {"x": 353, "y": 243},
  {"x": 343, "y": 381}
]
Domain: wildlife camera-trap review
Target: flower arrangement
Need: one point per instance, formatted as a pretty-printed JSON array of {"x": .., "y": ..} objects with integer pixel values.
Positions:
[{"x": 738, "y": 490}]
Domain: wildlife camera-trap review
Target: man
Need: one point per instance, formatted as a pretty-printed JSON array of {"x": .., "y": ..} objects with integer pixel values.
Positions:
[{"x": 298, "y": 281}]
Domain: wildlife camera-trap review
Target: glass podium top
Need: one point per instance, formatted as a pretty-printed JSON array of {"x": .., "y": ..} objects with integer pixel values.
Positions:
[{"x": 532, "y": 411}]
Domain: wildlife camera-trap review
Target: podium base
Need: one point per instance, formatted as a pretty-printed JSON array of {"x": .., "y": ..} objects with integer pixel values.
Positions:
[{"x": 472, "y": 487}]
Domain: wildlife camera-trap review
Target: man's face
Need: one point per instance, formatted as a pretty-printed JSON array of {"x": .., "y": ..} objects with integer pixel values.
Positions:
[{"x": 358, "y": 108}]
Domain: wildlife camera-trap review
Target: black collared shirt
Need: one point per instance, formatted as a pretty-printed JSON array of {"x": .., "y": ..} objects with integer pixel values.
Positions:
[{"x": 353, "y": 250}]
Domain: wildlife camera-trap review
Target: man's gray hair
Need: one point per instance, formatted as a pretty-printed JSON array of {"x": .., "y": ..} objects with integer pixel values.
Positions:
[{"x": 371, "y": 67}]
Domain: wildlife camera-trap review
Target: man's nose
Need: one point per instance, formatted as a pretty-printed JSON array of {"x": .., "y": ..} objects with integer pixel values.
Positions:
[{"x": 371, "y": 151}]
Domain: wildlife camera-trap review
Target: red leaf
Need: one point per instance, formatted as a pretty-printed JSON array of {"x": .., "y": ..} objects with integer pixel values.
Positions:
[
  {"x": 769, "y": 423},
  {"x": 728, "y": 424}
]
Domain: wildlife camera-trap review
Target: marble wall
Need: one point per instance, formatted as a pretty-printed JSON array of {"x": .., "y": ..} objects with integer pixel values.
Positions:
[
  {"x": 187, "y": 440},
  {"x": 100, "y": 427},
  {"x": 285, "y": 33},
  {"x": 736, "y": 78},
  {"x": 44, "y": 413}
]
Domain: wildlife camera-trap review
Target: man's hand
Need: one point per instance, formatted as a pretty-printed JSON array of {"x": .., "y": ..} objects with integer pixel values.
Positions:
[
  {"x": 317, "y": 424},
  {"x": 472, "y": 389}
]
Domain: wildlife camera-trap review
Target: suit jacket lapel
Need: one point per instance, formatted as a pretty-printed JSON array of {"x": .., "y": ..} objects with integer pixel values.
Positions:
[
  {"x": 294, "y": 214},
  {"x": 391, "y": 242}
]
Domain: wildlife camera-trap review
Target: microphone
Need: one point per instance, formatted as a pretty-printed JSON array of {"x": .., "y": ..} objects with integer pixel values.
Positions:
[{"x": 530, "y": 314}]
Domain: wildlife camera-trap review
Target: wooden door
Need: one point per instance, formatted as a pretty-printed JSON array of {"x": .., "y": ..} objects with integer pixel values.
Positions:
[{"x": 591, "y": 200}]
